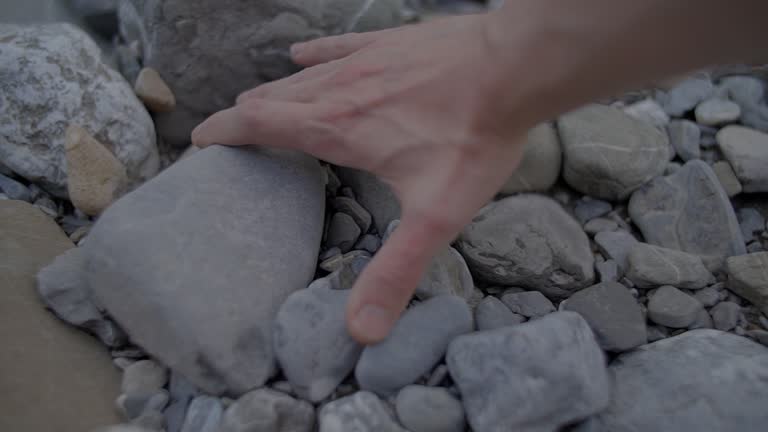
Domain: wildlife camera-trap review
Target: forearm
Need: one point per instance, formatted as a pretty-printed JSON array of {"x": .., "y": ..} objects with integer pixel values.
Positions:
[{"x": 563, "y": 53}]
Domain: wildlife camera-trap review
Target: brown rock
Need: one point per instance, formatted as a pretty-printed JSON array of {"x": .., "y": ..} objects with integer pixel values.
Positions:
[
  {"x": 154, "y": 92},
  {"x": 95, "y": 177},
  {"x": 52, "y": 376}
]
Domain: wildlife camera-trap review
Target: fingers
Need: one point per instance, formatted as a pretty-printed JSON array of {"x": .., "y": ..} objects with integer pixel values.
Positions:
[
  {"x": 330, "y": 48},
  {"x": 267, "y": 89},
  {"x": 386, "y": 285}
]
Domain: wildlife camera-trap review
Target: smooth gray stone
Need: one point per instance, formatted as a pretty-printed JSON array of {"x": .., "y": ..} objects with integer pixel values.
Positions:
[
  {"x": 144, "y": 377},
  {"x": 133, "y": 406},
  {"x": 686, "y": 95},
  {"x": 63, "y": 289},
  {"x": 673, "y": 308},
  {"x": 684, "y": 135},
  {"x": 175, "y": 287},
  {"x": 656, "y": 332},
  {"x": 688, "y": 211},
  {"x": 448, "y": 274},
  {"x": 703, "y": 321},
  {"x": 204, "y": 415},
  {"x": 598, "y": 225},
  {"x": 708, "y": 296},
  {"x": 615, "y": 245},
  {"x": 312, "y": 344},
  {"x": 608, "y": 271},
  {"x": 360, "y": 412},
  {"x": 747, "y": 151},
  {"x": 343, "y": 232},
  {"x": 726, "y": 315},
  {"x": 531, "y": 304},
  {"x": 536, "y": 376},
  {"x": 752, "y": 223},
  {"x": 429, "y": 409},
  {"x": 14, "y": 190},
  {"x": 727, "y": 178},
  {"x": 182, "y": 393},
  {"x": 269, "y": 411},
  {"x": 491, "y": 314},
  {"x": 715, "y": 381},
  {"x": 749, "y": 93},
  {"x": 187, "y": 42},
  {"x": 613, "y": 314},
  {"x": 539, "y": 168},
  {"x": 416, "y": 344},
  {"x": 608, "y": 153},
  {"x": 355, "y": 211},
  {"x": 53, "y": 76},
  {"x": 747, "y": 278},
  {"x": 717, "y": 112},
  {"x": 653, "y": 266},
  {"x": 588, "y": 209},
  {"x": 536, "y": 245},
  {"x": 374, "y": 195}
]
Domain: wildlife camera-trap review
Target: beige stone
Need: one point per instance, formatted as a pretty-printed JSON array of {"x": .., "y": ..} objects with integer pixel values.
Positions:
[
  {"x": 540, "y": 167},
  {"x": 154, "y": 92},
  {"x": 95, "y": 177},
  {"x": 52, "y": 376}
]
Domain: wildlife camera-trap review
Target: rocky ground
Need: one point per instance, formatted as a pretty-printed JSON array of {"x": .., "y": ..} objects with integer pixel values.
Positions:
[{"x": 619, "y": 282}]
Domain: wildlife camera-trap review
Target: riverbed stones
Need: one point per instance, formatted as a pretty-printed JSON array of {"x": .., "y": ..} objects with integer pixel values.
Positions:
[
  {"x": 653, "y": 266},
  {"x": 153, "y": 91},
  {"x": 717, "y": 112},
  {"x": 747, "y": 151},
  {"x": 268, "y": 410},
  {"x": 429, "y": 409},
  {"x": 537, "y": 245},
  {"x": 684, "y": 135},
  {"x": 360, "y": 412},
  {"x": 540, "y": 167},
  {"x": 748, "y": 277},
  {"x": 491, "y": 314},
  {"x": 150, "y": 264},
  {"x": 609, "y": 154},
  {"x": 673, "y": 308}
]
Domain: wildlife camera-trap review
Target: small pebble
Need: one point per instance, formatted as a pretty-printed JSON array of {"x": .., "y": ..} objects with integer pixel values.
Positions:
[
  {"x": 684, "y": 135},
  {"x": 752, "y": 223},
  {"x": 708, "y": 296},
  {"x": 79, "y": 234},
  {"x": 530, "y": 304},
  {"x": 717, "y": 112},
  {"x": 338, "y": 261},
  {"x": 587, "y": 209},
  {"x": 330, "y": 253},
  {"x": 673, "y": 308},
  {"x": 122, "y": 362},
  {"x": 47, "y": 206},
  {"x": 438, "y": 375},
  {"x": 347, "y": 192},
  {"x": 369, "y": 243},
  {"x": 672, "y": 168},
  {"x": 607, "y": 271},
  {"x": 727, "y": 178},
  {"x": 429, "y": 409},
  {"x": 703, "y": 321},
  {"x": 283, "y": 386},
  {"x": 144, "y": 377},
  {"x": 656, "y": 333},
  {"x": 154, "y": 92},
  {"x": 343, "y": 232},
  {"x": 14, "y": 190},
  {"x": 760, "y": 336},
  {"x": 203, "y": 415},
  {"x": 355, "y": 211},
  {"x": 597, "y": 225},
  {"x": 491, "y": 314},
  {"x": 755, "y": 247},
  {"x": 726, "y": 315}
]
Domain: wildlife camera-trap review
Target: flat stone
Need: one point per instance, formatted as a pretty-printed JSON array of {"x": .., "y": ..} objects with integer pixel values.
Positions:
[
  {"x": 355, "y": 211},
  {"x": 55, "y": 77},
  {"x": 343, "y": 232},
  {"x": 649, "y": 111},
  {"x": 415, "y": 346},
  {"x": 537, "y": 245},
  {"x": 752, "y": 223},
  {"x": 615, "y": 245},
  {"x": 612, "y": 313},
  {"x": 748, "y": 277},
  {"x": 221, "y": 337},
  {"x": 717, "y": 112},
  {"x": 369, "y": 243},
  {"x": 447, "y": 274},
  {"x": 588, "y": 209},
  {"x": 708, "y": 296},
  {"x": 14, "y": 190},
  {"x": 726, "y": 316},
  {"x": 673, "y": 308},
  {"x": 668, "y": 373},
  {"x": 609, "y": 154},
  {"x": 607, "y": 271},
  {"x": 688, "y": 211},
  {"x": 312, "y": 344},
  {"x": 599, "y": 225},
  {"x": 686, "y": 95},
  {"x": 492, "y": 314},
  {"x": 747, "y": 151},
  {"x": 153, "y": 91},
  {"x": 374, "y": 195},
  {"x": 204, "y": 415},
  {"x": 727, "y": 178},
  {"x": 360, "y": 412},
  {"x": 653, "y": 266},
  {"x": 536, "y": 376},
  {"x": 685, "y": 135},
  {"x": 52, "y": 373},
  {"x": 268, "y": 410},
  {"x": 144, "y": 377},
  {"x": 429, "y": 409},
  {"x": 531, "y": 304},
  {"x": 540, "y": 167}
]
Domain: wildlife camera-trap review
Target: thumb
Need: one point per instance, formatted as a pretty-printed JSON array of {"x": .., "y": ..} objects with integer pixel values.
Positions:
[{"x": 387, "y": 283}]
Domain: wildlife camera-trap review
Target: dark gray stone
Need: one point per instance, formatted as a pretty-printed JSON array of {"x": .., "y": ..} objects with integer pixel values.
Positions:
[
  {"x": 615, "y": 245},
  {"x": 726, "y": 316},
  {"x": 355, "y": 211},
  {"x": 312, "y": 344},
  {"x": 360, "y": 412},
  {"x": 204, "y": 415},
  {"x": 182, "y": 393},
  {"x": 612, "y": 313},
  {"x": 14, "y": 190},
  {"x": 588, "y": 209},
  {"x": 343, "y": 232},
  {"x": 708, "y": 296},
  {"x": 656, "y": 332},
  {"x": 688, "y": 211},
  {"x": 369, "y": 243},
  {"x": 539, "y": 168},
  {"x": 531, "y": 304},
  {"x": 536, "y": 376},
  {"x": 144, "y": 377},
  {"x": 374, "y": 195},
  {"x": 415, "y": 345},
  {"x": 132, "y": 406},
  {"x": 607, "y": 271},
  {"x": 686, "y": 95},
  {"x": 703, "y": 321},
  {"x": 492, "y": 314},
  {"x": 673, "y": 308},
  {"x": 713, "y": 381},
  {"x": 653, "y": 266},
  {"x": 536, "y": 245},
  {"x": 598, "y": 225},
  {"x": 268, "y": 410},
  {"x": 747, "y": 278},
  {"x": 684, "y": 135},
  {"x": 727, "y": 178},
  {"x": 717, "y": 112},
  {"x": 429, "y": 409},
  {"x": 752, "y": 223},
  {"x": 176, "y": 289}
]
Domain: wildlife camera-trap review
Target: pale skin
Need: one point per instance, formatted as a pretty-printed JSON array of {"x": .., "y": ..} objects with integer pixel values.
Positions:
[{"x": 439, "y": 110}]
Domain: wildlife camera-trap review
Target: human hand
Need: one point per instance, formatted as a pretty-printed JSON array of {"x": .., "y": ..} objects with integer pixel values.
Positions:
[{"x": 411, "y": 105}]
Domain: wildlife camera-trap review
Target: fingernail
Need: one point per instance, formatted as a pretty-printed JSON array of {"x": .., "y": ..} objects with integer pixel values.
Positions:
[{"x": 373, "y": 322}]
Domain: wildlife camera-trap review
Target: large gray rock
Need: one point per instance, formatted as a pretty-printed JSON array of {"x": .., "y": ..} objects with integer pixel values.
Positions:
[
  {"x": 415, "y": 345},
  {"x": 195, "y": 264},
  {"x": 688, "y": 211},
  {"x": 540, "y": 166},
  {"x": 189, "y": 42},
  {"x": 701, "y": 380},
  {"x": 748, "y": 277},
  {"x": 265, "y": 410},
  {"x": 747, "y": 151},
  {"x": 534, "y": 377},
  {"x": 536, "y": 245},
  {"x": 311, "y": 340},
  {"x": 360, "y": 412},
  {"x": 612, "y": 313},
  {"x": 653, "y": 266},
  {"x": 429, "y": 409},
  {"x": 53, "y": 77},
  {"x": 375, "y": 195},
  {"x": 609, "y": 154}
]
